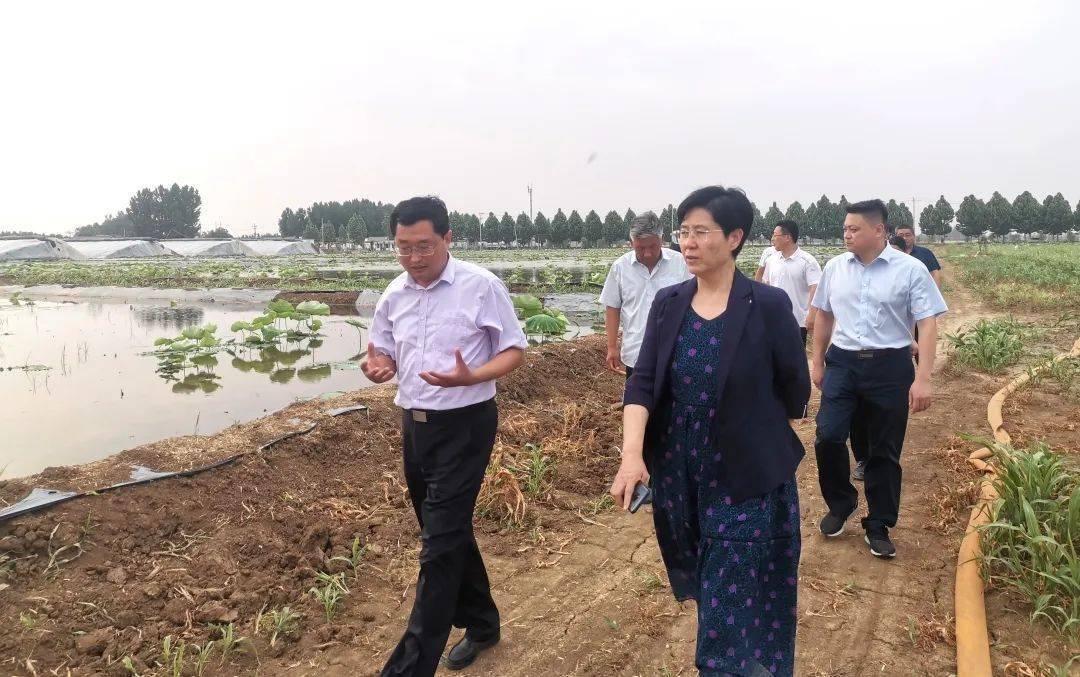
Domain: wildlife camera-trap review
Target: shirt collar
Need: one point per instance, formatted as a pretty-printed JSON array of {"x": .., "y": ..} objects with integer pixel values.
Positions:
[
  {"x": 886, "y": 255},
  {"x": 793, "y": 254},
  {"x": 447, "y": 275}
]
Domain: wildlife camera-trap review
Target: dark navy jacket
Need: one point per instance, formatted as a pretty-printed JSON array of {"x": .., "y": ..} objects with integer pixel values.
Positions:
[{"x": 762, "y": 380}]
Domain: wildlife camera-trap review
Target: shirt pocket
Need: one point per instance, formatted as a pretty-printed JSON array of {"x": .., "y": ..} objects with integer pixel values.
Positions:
[{"x": 454, "y": 330}]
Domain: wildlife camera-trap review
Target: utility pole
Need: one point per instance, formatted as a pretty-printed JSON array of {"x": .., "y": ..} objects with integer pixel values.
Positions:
[
  {"x": 530, "y": 188},
  {"x": 914, "y": 215}
]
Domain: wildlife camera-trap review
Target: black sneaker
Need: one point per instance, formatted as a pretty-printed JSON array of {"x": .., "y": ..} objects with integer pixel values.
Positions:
[
  {"x": 465, "y": 652},
  {"x": 859, "y": 473},
  {"x": 880, "y": 545},
  {"x": 832, "y": 525}
]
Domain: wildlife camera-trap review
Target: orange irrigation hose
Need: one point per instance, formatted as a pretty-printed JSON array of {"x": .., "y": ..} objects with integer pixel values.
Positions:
[{"x": 972, "y": 637}]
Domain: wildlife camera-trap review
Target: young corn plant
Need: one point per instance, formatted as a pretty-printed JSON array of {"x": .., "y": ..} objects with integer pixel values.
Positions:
[
  {"x": 202, "y": 656},
  {"x": 354, "y": 558},
  {"x": 228, "y": 640},
  {"x": 536, "y": 470},
  {"x": 329, "y": 596},
  {"x": 283, "y": 623}
]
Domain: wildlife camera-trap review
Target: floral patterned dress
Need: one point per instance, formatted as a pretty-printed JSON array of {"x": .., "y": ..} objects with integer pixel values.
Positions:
[{"x": 739, "y": 561}]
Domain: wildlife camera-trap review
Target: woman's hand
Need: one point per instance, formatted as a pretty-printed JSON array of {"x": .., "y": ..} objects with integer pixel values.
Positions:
[{"x": 632, "y": 471}]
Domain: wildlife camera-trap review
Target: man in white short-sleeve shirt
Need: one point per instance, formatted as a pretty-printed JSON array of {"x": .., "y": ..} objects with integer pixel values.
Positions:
[
  {"x": 795, "y": 271},
  {"x": 762, "y": 260},
  {"x": 631, "y": 286}
]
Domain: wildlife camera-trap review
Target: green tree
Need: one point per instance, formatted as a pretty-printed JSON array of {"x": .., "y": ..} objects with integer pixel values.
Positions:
[
  {"x": 218, "y": 233},
  {"x": 773, "y": 216},
  {"x": 927, "y": 219},
  {"x": 165, "y": 212},
  {"x": 524, "y": 229},
  {"x": 490, "y": 232},
  {"x": 667, "y": 219},
  {"x": 506, "y": 228},
  {"x": 114, "y": 225},
  {"x": 577, "y": 227},
  {"x": 795, "y": 213},
  {"x": 1027, "y": 213},
  {"x": 542, "y": 228},
  {"x": 290, "y": 224},
  {"x": 836, "y": 227},
  {"x": 826, "y": 218},
  {"x": 943, "y": 218},
  {"x": 971, "y": 217},
  {"x": 999, "y": 215},
  {"x": 613, "y": 228},
  {"x": 594, "y": 229},
  {"x": 327, "y": 233},
  {"x": 758, "y": 226},
  {"x": 357, "y": 229},
  {"x": 811, "y": 223},
  {"x": 310, "y": 232},
  {"x": 628, "y": 218},
  {"x": 1057, "y": 215},
  {"x": 560, "y": 229},
  {"x": 898, "y": 215}
]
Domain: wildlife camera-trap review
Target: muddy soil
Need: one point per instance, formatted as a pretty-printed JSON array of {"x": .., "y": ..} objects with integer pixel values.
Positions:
[{"x": 580, "y": 585}]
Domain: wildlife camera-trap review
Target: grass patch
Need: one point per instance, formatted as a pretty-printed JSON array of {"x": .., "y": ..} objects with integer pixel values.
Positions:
[
  {"x": 1033, "y": 277},
  {"x": 989, "y": 346},
  {"x": 1031, "y": 545}
]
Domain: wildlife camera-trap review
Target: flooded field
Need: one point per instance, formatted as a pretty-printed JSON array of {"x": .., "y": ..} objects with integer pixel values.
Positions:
[
  {"x": 80, "y": 380},
  {"x": 78, "y": 384}
]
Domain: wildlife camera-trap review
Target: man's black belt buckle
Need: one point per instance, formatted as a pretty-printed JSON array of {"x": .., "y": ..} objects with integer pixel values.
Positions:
[
  {"x": 865, "y": 354},
  {"x": 419, "y": 416}
]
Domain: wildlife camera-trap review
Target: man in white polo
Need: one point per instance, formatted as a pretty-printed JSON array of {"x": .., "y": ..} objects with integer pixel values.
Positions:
[
  {"x": 631, "y": 285},
  {"x": 795, "y": 271}
]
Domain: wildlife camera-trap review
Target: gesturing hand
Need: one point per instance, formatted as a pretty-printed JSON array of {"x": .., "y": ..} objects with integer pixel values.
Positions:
[
  {"x": 460, "y": 376},
  {"x": 377, "y": 368}
]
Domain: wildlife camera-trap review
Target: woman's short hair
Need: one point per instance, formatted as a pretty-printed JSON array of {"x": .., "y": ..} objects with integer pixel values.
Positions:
[{"x": 729, "y": 207}]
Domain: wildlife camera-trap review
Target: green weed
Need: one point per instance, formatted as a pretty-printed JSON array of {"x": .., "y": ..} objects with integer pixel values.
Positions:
[
  {"x": 1032, "y": 544},
  {"x": 536, "y": 470},
  {"x": 989, "y": 346}
]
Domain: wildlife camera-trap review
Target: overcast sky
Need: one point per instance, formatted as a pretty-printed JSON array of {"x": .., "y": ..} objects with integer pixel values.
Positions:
[{"x": 263, "y": 106}]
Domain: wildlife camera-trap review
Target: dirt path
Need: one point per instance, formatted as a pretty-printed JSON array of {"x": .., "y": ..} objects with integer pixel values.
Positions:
[
  {"x": 581, "y": 588},
  {"x": 600, "y": 611}
]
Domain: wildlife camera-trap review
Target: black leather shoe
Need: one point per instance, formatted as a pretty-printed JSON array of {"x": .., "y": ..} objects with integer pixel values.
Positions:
[{"x": 465, "y": 652}]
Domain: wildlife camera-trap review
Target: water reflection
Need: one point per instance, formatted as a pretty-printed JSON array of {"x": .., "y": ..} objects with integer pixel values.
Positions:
[
  {"x": 279, "y": 362},
  {"x": 164, "y": 317}
]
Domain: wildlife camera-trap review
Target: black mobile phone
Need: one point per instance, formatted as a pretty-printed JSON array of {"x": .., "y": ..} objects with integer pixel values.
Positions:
[{"x": 642, "y": 495}]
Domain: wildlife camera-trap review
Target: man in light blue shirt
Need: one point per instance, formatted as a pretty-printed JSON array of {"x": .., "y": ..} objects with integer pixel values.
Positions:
[{"x": 868, "y": 300}]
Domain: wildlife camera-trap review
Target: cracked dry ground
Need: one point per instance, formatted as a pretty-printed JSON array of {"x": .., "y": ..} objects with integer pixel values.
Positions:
[{"x": 581, "y": 586}]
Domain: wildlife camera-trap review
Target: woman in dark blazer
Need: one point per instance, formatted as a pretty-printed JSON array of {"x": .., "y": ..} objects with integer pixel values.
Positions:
[{"x": 721, "y": 371}]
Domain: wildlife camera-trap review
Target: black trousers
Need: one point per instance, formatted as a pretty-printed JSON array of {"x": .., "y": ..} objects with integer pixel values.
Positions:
[
  {"x": 445, "y": 461},
  {"x": 629, "y": 372},
  {"x": 874, "y": 384}
]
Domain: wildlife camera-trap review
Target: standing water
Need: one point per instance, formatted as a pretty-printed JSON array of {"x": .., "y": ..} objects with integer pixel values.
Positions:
[{"x": 78, "y": 385}]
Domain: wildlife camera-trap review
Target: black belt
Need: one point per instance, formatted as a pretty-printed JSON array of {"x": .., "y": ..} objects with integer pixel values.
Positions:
[
  {"x": 871, "y": 354},
  {"x": 444, "y": 415}
]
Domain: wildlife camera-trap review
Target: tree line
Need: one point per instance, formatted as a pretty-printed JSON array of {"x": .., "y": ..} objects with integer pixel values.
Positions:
[{"x": 155, "y": 213}]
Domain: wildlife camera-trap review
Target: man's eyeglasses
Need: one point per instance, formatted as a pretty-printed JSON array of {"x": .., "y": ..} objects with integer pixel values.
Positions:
[
  {"x": 700, "y": 234},
  {"x": 423, "y": 249}
]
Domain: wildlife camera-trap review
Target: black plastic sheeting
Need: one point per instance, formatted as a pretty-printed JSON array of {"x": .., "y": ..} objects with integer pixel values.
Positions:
[{"x": 39, "y": 498}]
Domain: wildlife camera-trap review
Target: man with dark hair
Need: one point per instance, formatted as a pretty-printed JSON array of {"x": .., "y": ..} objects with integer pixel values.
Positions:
[
  {"x": 447, "y": 329},
  {"x": 868, "y": 300},
  {"x": 631, "y": 284},
  {"x": 922, "y": 253},
  {"x": 794, "y": 271}
]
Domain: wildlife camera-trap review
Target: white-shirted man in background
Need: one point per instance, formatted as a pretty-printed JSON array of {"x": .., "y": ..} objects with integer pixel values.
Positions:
[
  {"x": 766, "y": 253},
  {"x": 631, "y": 285},
  {"x": 795, "y": 271}
]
